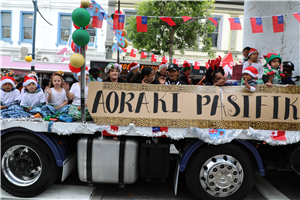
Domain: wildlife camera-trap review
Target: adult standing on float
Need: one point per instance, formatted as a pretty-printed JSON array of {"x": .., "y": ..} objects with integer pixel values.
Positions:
[
  {"x": 162, "y": 70},
  {"x": 185, "y": 74},
  {"x": 133, "y": 68},
  {"x": 113, "y": 71}
]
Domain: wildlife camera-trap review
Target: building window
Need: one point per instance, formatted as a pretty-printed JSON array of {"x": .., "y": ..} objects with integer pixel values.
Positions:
[
  {"x": 64, "y": 28},
  {"x": 215, "y": 35},
  {"x": 26, "y": 26},
  {"x": 127, "y": 15},
  {"x": 93, "y": 32},
  {"x": 6, "y": 26}
]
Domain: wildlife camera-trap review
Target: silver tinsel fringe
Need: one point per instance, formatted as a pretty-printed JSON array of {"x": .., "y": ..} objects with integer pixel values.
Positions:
[
  {"x": 264, "y": 135},
  {"x": 203, "y": 134},
  {"x": 173, "y": 133}
]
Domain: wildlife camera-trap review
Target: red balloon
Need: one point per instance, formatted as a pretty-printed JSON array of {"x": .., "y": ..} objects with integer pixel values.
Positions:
[
  {"x": 116, "y": 11},
  {"x": 77, "y": 27},
  {"x": 73, "y": 47},
  {"x": 73, "y": 69}
]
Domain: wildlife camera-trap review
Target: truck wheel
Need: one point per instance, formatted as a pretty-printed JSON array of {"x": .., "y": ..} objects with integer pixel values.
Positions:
[
  {"x": 28, "y": 165},
  {"x": 223, "y": 171}
]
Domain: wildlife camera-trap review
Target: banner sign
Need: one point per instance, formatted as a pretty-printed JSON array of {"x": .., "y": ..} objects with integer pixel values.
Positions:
[{"x": 229, "y": 107}]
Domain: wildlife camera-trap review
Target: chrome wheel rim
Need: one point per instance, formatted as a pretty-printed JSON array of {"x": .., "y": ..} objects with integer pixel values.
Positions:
[
  {"x": 221, "y": 175},
  {"x": 21, "y": 165}
]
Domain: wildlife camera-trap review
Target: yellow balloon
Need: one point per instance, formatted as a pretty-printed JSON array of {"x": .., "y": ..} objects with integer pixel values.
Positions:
[
  {"x": 125, "y": 45},
  {"x": 28, "y": 58},
  {"x": 77, "y": 60},
  {"x": 124, "y": 33},
  {"x": 85, "y": 3}
]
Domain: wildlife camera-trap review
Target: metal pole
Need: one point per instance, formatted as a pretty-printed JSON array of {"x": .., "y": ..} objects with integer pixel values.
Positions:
[
  {"x": 82, "y": 86},
  {"x": 33, "y": 35},
  {"x": 118, "y": 53}
]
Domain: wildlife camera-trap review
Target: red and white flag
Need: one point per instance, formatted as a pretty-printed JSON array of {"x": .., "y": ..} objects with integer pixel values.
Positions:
[
  {"x": 113, "y": 128},
  {"x": 278, "y": 135},
  {"x": 175, "y": 61},
  {"x": 227, "y": 63},
  {"x": 206, "y": 65},
  {"x": 124, "y": 50},
  {"x": 144, "y": 55},
  {"x": 165, "y": 59},
  {"x": 197, "y": 65},
  {"x": 133, "y": 53},
  {"x": 153, "y": 58}
]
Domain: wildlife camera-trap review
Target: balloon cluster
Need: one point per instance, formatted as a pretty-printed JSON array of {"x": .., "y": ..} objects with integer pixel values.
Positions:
[{"x": 81, "y": 18}]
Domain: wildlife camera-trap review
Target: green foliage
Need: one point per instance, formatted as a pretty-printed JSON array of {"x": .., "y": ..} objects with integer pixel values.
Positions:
[{"x": 186, "y": 35}]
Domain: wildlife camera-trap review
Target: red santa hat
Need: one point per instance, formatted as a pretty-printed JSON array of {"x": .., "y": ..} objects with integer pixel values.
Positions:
[
  {"x": 252, "y": 50},
  {"x": 33, "y": 75},
  {"x": 7, "y": 79},
  {"x": 133, "y": 66},
  {"x": 29, "y": 80},
  {"x": 86, "y": 72},
  {"x": 163, "y": 64},
  {"x": 251, "y": 71}
]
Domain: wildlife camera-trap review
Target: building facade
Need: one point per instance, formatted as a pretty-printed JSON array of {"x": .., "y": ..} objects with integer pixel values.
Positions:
[{"x": 53, "y": 43}]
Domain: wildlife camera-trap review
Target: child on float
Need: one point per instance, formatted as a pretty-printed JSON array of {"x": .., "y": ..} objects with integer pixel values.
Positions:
[
  {"x": 133, "y": 68},
  {"x": 273, "y": 69},
  {"x": 113, "y": 70},
  {"x": 250, "y": 74},
  {"x": 10, "y": 100},
  {"x": 215, "y": 73},
  {"x": 162, "y": 70},
  {"x": 245, "y": 54},
  {"x": 147, "y": 76},
  {"x": 173, "y": 72},
  {"x": 33, "y": 98},
  {"x": 33, "y": 75},
  {"x": 185, "y": 74},
  {"x": 56, "y": 96},
  {"x": 75, "y": 95},
  {"x": 288, "y": 68},
  {"x": 254, "y": 62},
  {"x": 95, "y": 74}
]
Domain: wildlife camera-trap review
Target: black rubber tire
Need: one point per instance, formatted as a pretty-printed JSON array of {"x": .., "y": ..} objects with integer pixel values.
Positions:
[
  {"x": 49, "y": 168},
  {"x": 203, "y": 154}
]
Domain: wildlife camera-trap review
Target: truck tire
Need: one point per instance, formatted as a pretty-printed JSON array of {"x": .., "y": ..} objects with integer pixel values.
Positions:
[
  {"x": 220, "y": 172},
  {"x": 28, "y": 165}
]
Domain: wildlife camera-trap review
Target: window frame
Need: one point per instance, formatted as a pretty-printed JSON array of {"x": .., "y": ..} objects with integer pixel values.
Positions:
[
  {"x": 90, "y": 44},
  {"x": 21, "y": 34},
  {"x": 59, "y": 41},
  {"x": 219, "y": 42},
  {"x": 1, "y": 32}
]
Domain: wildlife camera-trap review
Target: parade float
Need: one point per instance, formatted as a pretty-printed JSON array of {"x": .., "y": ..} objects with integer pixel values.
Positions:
[{"x": 223, "y": 135}]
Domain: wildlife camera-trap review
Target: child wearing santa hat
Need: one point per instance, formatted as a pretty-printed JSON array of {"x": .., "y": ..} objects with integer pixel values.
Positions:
[
  {"x": 9, "y": 95},
  {"x": 133, "y": 68},
  {"x": 254, "y": 62},
  {"x": 185, "y": 74},
  {"x": 250, "y": 74},
  {"x": 162, "y": 70},
  {"x": 273, "y": 70},
  {"x": 33, "y": 98}
]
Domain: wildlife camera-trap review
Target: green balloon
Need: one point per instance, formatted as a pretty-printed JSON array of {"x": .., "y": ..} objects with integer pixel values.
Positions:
[
  {"x": 81, "y": 37},
  {"x": 81, "y": 17}
]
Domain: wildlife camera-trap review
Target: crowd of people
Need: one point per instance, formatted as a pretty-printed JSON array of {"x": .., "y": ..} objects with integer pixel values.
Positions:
[{"x": 28, "y": 99}]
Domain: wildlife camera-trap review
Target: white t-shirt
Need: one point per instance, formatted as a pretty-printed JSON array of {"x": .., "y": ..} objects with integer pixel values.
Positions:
[
  {"x": 57, "y": 99},
  {"x": 258, "y": 66},
  {"x": 9, "y": 98},
  {"x": 75, "y": 89},
  {"x": 32, "y": 99}
]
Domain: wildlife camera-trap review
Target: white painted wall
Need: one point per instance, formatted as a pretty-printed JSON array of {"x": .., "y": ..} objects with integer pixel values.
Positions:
[{"x": 285, "y": 43}]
